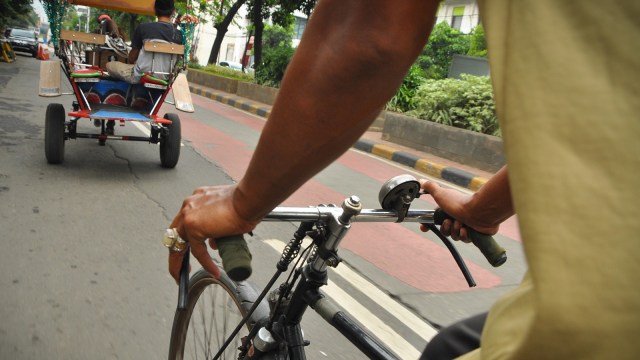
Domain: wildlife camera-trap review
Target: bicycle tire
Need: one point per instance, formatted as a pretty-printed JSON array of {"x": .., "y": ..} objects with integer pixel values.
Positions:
[{"x": 213, "y": 311}]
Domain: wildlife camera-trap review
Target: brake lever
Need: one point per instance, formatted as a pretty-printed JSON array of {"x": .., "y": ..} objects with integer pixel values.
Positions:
[
  {"x": 456, "y": 255},
  {"x": 397, "y": 194},
  {"x": 495, "y": 254}
]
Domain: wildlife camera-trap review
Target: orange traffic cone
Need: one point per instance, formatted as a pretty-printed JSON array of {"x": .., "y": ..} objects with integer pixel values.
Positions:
[{"x": 43, "y": 53}]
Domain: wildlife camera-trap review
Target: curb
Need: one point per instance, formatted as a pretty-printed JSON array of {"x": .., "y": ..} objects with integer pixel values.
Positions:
[{"x": 450, "y": 174}]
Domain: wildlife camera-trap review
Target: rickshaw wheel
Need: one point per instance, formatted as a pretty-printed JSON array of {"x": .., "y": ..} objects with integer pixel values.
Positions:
[
  {"x": 54, "y": 134},
  {"x": 170, "y": 142}
]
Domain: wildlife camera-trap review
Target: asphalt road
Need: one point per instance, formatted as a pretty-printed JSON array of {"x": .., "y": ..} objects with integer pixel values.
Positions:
[{"x": 83, "y": 273}]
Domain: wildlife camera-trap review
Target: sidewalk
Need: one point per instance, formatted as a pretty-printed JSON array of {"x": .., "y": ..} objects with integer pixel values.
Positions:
[{"x": 373, "y": 143}]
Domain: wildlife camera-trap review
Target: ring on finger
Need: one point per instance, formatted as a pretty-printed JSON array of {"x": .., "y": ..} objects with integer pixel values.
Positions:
[{"x": 173, "y": 241}]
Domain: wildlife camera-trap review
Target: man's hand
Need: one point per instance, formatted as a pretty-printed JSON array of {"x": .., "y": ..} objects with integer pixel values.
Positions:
[
  {"x": 460, "y": 207},
  {"x": 207, "y": 214}
]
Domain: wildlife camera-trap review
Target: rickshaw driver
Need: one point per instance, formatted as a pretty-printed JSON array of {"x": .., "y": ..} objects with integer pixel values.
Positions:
[{"x": 163, "y": 29}]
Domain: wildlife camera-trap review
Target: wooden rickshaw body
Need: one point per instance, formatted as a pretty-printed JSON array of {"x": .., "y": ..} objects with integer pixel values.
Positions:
[{"x": 102, "y": 98}]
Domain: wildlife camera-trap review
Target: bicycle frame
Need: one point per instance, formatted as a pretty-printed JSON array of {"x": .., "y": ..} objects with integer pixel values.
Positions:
[{"x": 273, "y": 322}]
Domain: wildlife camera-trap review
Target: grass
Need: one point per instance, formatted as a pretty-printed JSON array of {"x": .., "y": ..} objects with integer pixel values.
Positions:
[{"x": 223, "y": 71}]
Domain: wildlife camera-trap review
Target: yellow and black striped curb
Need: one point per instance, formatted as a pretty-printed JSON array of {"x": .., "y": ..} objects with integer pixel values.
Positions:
[
  {"x": 253, "y": 107},
  {"x": 450, "y": 174}
]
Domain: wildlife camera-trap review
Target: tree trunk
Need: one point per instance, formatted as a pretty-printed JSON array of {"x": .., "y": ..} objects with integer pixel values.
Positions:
[
  {"x": 132, "y": 26},
  {"x": 258, "y": 25},
  {"x": 222, "y": 30}
]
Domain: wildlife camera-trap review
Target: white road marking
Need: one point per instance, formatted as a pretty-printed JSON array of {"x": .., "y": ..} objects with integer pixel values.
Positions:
[
  {"x": 372, "y": 323},
  {"x": 145, "y": 129},
  {"x": 386, "y": 334},
  {"x": 420, "y": 327}
]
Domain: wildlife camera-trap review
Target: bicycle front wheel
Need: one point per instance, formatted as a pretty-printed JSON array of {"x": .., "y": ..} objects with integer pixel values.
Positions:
[{"x": 213, "y": 312}]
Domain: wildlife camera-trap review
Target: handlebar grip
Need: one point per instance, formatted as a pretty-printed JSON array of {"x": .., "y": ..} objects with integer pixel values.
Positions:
[
  {"x": 236, "y": 257},
  {"x": 495, "y": 254}
]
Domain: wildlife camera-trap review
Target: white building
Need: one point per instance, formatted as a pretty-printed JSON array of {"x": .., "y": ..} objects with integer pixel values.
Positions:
[
  {"x": 459, "y": 14},
  {"x": 235, "y": 40},
  {"x": 233, "y": 44}
]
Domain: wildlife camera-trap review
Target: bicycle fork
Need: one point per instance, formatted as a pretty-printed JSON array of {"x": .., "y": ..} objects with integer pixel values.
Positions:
[{"x": 288, "y": 331}]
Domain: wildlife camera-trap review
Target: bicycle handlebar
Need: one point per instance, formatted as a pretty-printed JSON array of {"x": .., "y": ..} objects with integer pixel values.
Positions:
[
  {"x": 236, "y": 257},
  {"x": 492, "y": 251},
  {"x": 495, "y": 254}
]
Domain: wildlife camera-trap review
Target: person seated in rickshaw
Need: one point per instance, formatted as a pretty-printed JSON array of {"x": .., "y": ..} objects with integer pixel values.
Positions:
[{"x": 162, "y": 30}]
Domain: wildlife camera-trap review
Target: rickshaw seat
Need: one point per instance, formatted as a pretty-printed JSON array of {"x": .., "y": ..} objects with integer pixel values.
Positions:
[
  {"x": 161, "y": 57},
  {"x": 152, "y": 80},
  {"x": 92, "y": 72}
]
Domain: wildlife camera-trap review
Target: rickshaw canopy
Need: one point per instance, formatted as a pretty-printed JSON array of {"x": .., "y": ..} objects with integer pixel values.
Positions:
[{"x": 142, "y": 7}]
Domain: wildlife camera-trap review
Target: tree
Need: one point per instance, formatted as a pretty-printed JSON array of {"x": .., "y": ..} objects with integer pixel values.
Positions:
[
  {"x": 17, "y": 13},
  {"x": 71, "y": 19},
  {"x": 281, "y": 13},
  {"x": 437, "y": 55},
  {"x": 477, "y": 42},
  {"x": 278, "y": 50},
  {"x": 221, "y": 24}
]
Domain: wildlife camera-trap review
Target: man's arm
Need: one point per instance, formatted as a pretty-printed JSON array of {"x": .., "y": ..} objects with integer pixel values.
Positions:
[
  {"x": 351, "y": 60},
  {"x": 136, "y": 44},
  {"x": 133, "y": 55}
]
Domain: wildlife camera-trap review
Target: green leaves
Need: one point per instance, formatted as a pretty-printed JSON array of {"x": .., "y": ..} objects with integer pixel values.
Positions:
[
  {"x": 17, "y": 13},
  {"x": 477, "y": 42},
  {"x": 277, "y": 53},
  {"x": 437, "y": 55},
  {"x": 403, "y": 100},
  {"x": 446, "y": 41},
  {"x": 466, "y": 103}
]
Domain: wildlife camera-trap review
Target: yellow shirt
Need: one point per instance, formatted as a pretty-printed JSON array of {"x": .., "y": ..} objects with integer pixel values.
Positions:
[{"x": 567, "y": 86}]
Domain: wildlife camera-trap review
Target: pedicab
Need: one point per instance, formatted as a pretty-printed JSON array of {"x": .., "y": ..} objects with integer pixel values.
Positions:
[{"x": 104, "y": 100}]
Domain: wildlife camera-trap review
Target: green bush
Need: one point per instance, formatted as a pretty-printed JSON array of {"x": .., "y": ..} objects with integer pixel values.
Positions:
[
  {"x": 276, "y": 54},
  {"x": 226, "y": 72},
  {"x": 274, "y": 64},
  {"x": 437, "y": 54},
  {"x": 466, "y": 103},
  {"x": 404, "y": 99},
  {"x": 194, "y": 65},
  {"x": 477, "y": 42}
]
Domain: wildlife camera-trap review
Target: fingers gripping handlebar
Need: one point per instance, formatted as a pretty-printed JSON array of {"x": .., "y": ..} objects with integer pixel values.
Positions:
[{"x": 495, "y": 254}]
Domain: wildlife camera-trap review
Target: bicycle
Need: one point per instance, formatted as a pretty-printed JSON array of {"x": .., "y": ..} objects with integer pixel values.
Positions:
[{"x": 227, "y": 319}]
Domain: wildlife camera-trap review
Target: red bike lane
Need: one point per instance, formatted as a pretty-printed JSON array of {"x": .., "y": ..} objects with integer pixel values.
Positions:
[{"x": 400, "y": 258}]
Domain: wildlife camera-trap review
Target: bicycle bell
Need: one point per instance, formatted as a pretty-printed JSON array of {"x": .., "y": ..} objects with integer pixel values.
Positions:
[{"x": 397, "y": 194}]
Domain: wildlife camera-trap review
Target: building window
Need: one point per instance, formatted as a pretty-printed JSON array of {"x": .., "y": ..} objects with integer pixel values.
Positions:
[
  {"x": 230, "y": 50},
  {"x": 298, "y": 29},
  {"x": 456, "y": 19}
]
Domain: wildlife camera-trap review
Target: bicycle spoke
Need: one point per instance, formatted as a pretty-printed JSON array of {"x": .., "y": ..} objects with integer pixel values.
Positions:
[
  {"x": 212, "y": 319},
  {"x": 214, "y": 315}
]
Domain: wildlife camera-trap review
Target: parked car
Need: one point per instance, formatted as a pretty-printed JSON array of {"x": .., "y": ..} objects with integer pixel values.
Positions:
[
  {"x": 231, "y": 64},
  {"x": 23, "y": 40}
]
